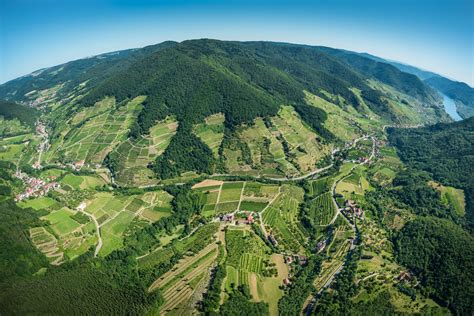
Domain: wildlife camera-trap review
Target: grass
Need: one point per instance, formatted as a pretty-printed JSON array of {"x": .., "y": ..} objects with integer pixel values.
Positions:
[
  {"x": 252, "y": 206},
  {"x": 61, "y": 221},
  {"x": 72, "y": 180},
  {"x": 38, "y": 204},
  {"x": 227, "y": 207},
  {"x": 452, "y": 196},
  {"x": 112, "y": 232}
]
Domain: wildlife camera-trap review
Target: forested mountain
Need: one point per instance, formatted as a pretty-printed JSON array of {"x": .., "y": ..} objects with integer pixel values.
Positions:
[
  {"x": 26, "y": 115},
  {"x": 462, "y": 93},
  {"x": 443, "y": 150},
  {"x": 242, "y": 80},
  {"x": 224, "y": 178}
]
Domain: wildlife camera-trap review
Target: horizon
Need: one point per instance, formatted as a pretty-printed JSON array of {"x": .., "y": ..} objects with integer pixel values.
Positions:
[{"x": 36, "y": 35}]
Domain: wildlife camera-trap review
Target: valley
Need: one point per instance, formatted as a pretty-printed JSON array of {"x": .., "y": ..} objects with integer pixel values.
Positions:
[{"x": 215, "y": 177}]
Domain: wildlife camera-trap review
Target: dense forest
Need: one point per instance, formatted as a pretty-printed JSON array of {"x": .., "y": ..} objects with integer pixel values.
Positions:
[
  {"x": 444, "y": 151},
  {"x": 442, "y": 255},
  {"x": 26, "y": 115}
]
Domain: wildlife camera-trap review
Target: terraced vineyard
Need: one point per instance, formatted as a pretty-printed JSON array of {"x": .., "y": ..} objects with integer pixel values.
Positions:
[
  {"x": 96, "y": 132},
  {"x": 281, "y": 218},
  {"x": 322, "y": 209},
  {"x": 280, "y": 146},
  {"x": 135, "y": 155}
]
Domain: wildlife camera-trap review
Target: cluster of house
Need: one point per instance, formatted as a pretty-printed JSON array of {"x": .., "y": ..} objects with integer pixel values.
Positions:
[
  {"x": 299, "y": 259},
  {"x": 35, "y": 187},
  {"x": 353, "y": 209},
  {"x": 231, "y": 218},
  {"x": 77, "y": 165},
  {"x": 294, "y": 259}
]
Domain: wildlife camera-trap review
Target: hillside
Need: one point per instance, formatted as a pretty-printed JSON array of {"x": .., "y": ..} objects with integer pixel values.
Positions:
[
  {"x": 190, "y": 81},
  {"x": 16, "y": 118},
  {"x": 214, "y": 177},
  {"x": 443, "y": 150},
  {"x": 462, "y": 93}
]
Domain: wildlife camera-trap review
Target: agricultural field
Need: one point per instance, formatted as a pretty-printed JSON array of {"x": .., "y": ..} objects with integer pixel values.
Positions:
[
  {"x": 345, "y": 124},
  {"x": 95, "y": 131},
  {"x": 211, "y": 132},
  {"x": 47, "y": 244},
  {"x": 336, "y": 251},
  {"x": 319, "y": 186},
  {"x": 281, "y": 146},
  {"x": 322, "y": 209},
  {"x": 281, "y": 219},
  {"x": 67, "y": 235},
  {"x": 249, "y": 262},
  {"x": 187, "y": 246},
  {"x": 182, "y": 285},
  {"x": 305, "y": 148},
  {"x": 136, "y": 155},
  {"x": 116, "y": 214},
  {"x": 11, "y": 148},
  {"x": 224, "y": 197},
  {"x": 356, "y": 183},
  {"x": 82, "y": 182},
  {"x": 387, "y": 166},
  {"x": 38, "y": 204},
  {"x": 188, "y": 275}
]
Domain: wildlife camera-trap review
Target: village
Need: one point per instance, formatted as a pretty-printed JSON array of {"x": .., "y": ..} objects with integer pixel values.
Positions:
[{"x": 35, "y": 187}]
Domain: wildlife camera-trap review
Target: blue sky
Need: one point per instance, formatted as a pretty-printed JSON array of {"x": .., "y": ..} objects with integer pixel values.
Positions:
[{"x": 436, "y": 35}]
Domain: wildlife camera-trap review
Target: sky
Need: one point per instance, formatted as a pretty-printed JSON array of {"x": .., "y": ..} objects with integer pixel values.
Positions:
[{"x": 435, "y": 35}]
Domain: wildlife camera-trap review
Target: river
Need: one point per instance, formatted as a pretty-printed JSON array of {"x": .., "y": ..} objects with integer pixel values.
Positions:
[{"x": 450, "y": 108}]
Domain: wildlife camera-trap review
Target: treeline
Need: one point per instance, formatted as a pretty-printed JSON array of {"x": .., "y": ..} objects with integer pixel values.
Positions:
[
  {"x": 441, "y": 254},
  {"x": 185, "y": 152},
  {"x": 384, "y": 72},
  {"x": 239, "y": 303},
  {"x": 443, "y": 150},
  {"x": 301, "y": 287},
  {"x": 411, "y": 188}
]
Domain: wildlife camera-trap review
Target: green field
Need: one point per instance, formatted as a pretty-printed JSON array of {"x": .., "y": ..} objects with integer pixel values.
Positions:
[
  {"x": 39, "y": 203},
  {"x": 252, "y": 206},
  {"x": 61, "y": 221},
  {"x": 100, "y": 129}
]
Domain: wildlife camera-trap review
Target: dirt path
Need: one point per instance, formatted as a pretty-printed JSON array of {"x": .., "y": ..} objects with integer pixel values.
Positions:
[
  {"x": 80, "y": 208},
  {"x": 241, "y": 195}
]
